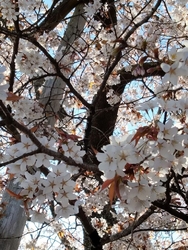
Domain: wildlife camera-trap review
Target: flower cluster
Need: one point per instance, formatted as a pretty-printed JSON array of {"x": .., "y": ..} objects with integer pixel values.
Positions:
[
  {"x": 72, "y": 150},
  {"x": 56, "y": 185},
  {"x": 148, "y": 156},
  {"x": 178, "y": 67},
  {"x": 8, "y": 10},
  {"x": 27, "y": 110},
  {"x": 115, "y": 157},
  {"x": 92, "y": 8},
  {"x": 30, "y": 61}
]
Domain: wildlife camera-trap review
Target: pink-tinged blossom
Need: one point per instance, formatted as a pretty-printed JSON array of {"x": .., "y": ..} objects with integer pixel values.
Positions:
[
  {"x": 13, "y": 151},
  {"x": 124, "y": 190},
  {"x": 123, "y": 155},
  {"x": 26, "y": 161},
  {"x": 108, "y": 164},
  {"x": 112, "y": 98},
  {"x": 38, "y": 217},
  {"x": 60, "y": 169},
  {"x": 51, "y": 184},
  {"x": 64, "y": 196},
  {"x": 138, "y": 71},
  {"x": 137, "y": 205},
  {"x": 173, "y": 53},
  {"x": 115, "y": 157},
  {"x": 182, "y": 55},
  {"x": 165, "y": 149},
  {"x": 178, "y": 55},
  {"x": 66, "y": 182},
  {"x": 182, "y": 104},
  {"x": 43, "y": 159},
  {"x": 167, "y": 105},
  {"x": 134, "y": 157},
  {"x": 14, "y": 168},
  {"x": 74, "y": 151},
  {"x": 77, "y": 155},
  {"x": 26, "y": 145},
  {"x": 120, "y": 142},
  {"x": 64, "y": 212},
  {"x": 72, "y": 169},
  {"x": 166, "y": 130},
  {"x": 40, "y": 198},
  {"x": 177, "y": 142},
  {"x": 34, "y": 179},
  {"x": 63, "y": 199},
  {"x": 28, "y": 189},
  {"x": 157, "y": 192},
  {"x": 141, "y": 190},
  {"x": 153, "y": 178},
  {"x": 46, "y": 142},
  {"x": 172, "y": 72},
  {"x": 160, "y": 163},
  {"x": 179, "y": 163}
]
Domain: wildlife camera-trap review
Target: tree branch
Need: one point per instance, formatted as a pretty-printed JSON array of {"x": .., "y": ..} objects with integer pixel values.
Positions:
[
  {"x": 57, "y": 15},
  {"x": 130, "y": 229},
  {"x": 167, "y": 208}
]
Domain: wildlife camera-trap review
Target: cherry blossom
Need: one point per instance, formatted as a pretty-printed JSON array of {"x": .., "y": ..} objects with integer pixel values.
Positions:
[
  {"x": 108, "y": 162},
  {"x": 38, "y": 217},
  {"x": 65, "y": 211},
  {"x": 72, "y": 150},
  {"x": 166, "y": 130},
  {"x": 172, "y": 72},
  {"x": 140, "y": 190},
  {"x": 51, "y": 185}
]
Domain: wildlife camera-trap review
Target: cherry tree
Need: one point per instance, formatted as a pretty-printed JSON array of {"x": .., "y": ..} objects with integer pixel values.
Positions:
[{"x": 94, "y": 123}]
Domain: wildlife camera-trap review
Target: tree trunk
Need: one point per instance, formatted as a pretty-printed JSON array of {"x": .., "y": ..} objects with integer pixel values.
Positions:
[{"x": 13, "y": 220}]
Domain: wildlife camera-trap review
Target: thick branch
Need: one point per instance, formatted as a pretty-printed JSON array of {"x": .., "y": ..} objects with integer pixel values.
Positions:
[
  {"x": 130, "y": 229},
  {"x": 89, "y": 229},
  {"x": 57, "y": 15},
  {"x": 167, "y": 208},
  {"x": 103, "y": 120}
]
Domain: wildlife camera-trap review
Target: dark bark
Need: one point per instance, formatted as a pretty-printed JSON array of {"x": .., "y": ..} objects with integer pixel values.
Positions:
[{"x": 103, "y": 117}]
